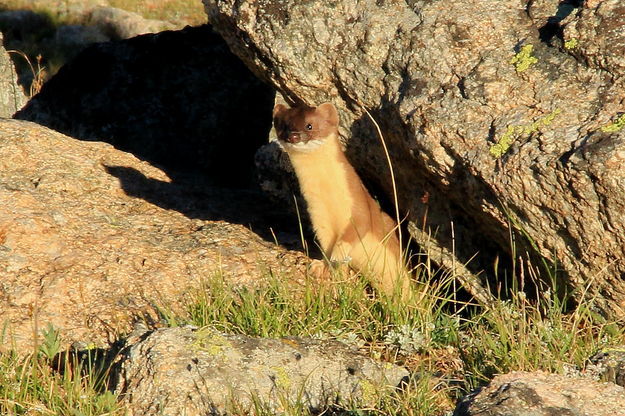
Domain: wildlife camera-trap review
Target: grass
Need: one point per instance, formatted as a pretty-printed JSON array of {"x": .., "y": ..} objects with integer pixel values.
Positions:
[
  {"x": 449, "y": 344},
  {"x": 187, "y": 11},
  {"x": 67, "y": 11},
  {"x": 449, "y": 347},
  {"x": 520, "y": 334},
  {"x": 35, "y": 385}
]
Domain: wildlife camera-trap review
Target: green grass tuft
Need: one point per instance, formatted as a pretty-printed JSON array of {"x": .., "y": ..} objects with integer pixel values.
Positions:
[{"x": 29, "y": 385}]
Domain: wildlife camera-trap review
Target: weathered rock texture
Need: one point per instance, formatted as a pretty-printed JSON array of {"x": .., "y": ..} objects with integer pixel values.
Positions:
[
  {"x": 12, "y": 96},
  {"x": 478, "y": 139},
  {"x": 92, "y": 238},
  {"x": 542, "y": 394},
  {"x": 180, "y": 371},
  {"x": 180, "y": 99}
]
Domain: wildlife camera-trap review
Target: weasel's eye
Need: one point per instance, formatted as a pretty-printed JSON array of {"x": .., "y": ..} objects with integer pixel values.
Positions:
[{"x": 309, "y": 126}]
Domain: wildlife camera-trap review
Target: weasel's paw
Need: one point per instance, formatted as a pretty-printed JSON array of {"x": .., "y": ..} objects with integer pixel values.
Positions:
[{"x": 319, "y": 269}]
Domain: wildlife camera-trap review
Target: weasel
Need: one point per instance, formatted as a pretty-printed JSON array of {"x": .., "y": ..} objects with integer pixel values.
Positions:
[{"x": 348, "y": 223}]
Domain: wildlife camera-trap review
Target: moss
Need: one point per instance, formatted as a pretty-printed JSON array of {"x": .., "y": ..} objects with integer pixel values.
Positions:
[
  {"x": 514, "y": 132},
  {"x": 524, "y": 59},
  {"x": 615, "y": 126},
  {"x": 370, "y": 393},
  {"x": 502, "y": 146},
  {"x": 571, "y": 43},
  {"x": 210, "y": 342},
  {"x": 282, "y": 379}
]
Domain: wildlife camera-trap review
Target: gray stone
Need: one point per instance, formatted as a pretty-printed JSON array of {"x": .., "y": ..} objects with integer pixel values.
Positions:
[
  {"x": 542, "y": 394},
  {"x": 608, "y": 365},
  {"x": 12, "y": 96},
  {"x": 78, "y": 36},
  {"x": 598, "y": 35},
  {"x": 179, "y": 371}
]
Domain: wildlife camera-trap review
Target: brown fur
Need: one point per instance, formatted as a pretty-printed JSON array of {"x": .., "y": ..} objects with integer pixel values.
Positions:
[{"x": 348, "y": 223}]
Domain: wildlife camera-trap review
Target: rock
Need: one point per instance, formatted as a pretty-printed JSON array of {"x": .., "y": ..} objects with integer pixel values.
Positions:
[
  {"x": 92, "y": 238},
  {"x": 542, "y": 394},
  {"x": 178, "y": 99},
  {"x": 597, "y": 36},
  {"x": 122, "y": 24},
  {"x": 178, "y": 371},
  {"x": 608, "y": 365},
  {"x": 12, "y": 96},
  {"x": 492, "y": 126}
]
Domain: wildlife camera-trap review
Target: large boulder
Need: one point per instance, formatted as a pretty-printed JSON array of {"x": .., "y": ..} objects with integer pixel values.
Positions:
[
  {"x": 92, "y": 238},
  {"x": 496, "y": 118},
  {"x": 12, "y": 96},
  {"x": 182, "y": 371},
  {"x": 179, "y": 99}
]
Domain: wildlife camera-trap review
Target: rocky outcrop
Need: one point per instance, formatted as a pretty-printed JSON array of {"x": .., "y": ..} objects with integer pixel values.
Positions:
[
  {"x": 179, "y": 371},
  {"x": 12, "y": 96},
  {"x": 122, "y": 24},
  {"x": 542, "y": 394},
  {"x": 178, "y": 99},
  {"x": 102, "y": 24},
  {"x": 92, "y": 238},
  {"x": 489, "y": 125}
]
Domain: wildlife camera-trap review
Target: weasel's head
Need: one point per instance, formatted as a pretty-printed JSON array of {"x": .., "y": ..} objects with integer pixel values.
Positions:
[{"x": 304, "y": 128}]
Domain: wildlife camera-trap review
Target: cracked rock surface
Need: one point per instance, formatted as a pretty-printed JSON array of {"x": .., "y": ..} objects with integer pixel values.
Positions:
[{"x": 12, "y": 97}]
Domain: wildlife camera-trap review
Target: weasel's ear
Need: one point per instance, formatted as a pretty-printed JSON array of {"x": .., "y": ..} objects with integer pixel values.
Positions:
[
  {"x": 279, "y": 109},
  {"x": 328, "y": 112}
]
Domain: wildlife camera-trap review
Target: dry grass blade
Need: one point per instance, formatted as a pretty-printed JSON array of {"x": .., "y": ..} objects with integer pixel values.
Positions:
[
  {"x": 447, "y": 259},
  {"x": 392, "y": 172},
  {"x": 38, "y": 71}
]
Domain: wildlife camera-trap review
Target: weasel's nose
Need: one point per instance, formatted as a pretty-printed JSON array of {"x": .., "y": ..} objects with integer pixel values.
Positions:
[{"x": 293, "y": 137}]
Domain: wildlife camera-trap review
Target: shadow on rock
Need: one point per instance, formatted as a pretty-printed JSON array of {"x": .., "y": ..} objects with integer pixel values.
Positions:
[
  {"x": 196, "y": 198},
  {"x": 179, "y": 100}
]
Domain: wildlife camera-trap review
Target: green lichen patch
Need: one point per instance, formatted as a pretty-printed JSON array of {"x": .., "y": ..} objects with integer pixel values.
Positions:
[
  {"x": 614, "y": 126},
  {"x": 524, "y": 59},
  {"x": 571, "y": 43},
  {"x": 282, "y": 379},
  {"x": 210, "y": 341},
  {"x": 513, "y": 133},
  {"x": 370, "y": 392},
  {"x": 504, "y": 143}
]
